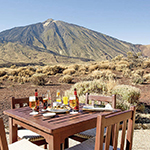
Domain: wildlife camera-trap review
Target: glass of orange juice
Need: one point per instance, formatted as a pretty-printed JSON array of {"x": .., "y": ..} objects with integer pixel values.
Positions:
[{"x": 65, "y": 100}]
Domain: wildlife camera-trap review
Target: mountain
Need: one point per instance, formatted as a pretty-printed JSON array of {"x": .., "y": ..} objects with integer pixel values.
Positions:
[{"x": 58, "y": 42}]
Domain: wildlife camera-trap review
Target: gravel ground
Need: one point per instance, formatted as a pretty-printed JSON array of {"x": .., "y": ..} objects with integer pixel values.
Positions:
[{"x": 141, "y": 140}]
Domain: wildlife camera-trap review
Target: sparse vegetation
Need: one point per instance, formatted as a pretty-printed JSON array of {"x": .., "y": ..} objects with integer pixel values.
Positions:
[{"x": 66, "y": 79}]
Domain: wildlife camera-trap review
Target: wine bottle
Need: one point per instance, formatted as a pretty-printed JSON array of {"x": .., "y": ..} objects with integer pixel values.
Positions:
[{"x": 76, "y": 99}]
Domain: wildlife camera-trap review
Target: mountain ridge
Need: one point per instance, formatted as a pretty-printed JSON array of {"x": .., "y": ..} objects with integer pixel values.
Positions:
[{"x": 64, "y": 39}]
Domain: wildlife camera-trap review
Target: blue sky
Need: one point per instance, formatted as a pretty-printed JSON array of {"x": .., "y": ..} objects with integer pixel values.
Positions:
[{"x": 127, "y": 20}]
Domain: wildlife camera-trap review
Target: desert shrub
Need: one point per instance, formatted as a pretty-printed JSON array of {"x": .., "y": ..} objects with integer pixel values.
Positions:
[
  {"x": 15, "y": 78},
  {"x": 126, "y": 73},
  {"x": 119, "y": 57},
  {"x": 93, "y": 67},
  {"x": 2, "y": 73},
  {"x": 105, "y": 74},
  {"x": 83, "y": 68},
  {"x": 122, "y": 65},
  {"x": 104, "y": 65},
  {"x": 38, "y": 79},
  {"x": 128, "y": 93},
  {"x": 139, "y": 72},
  {"x": 52, "y": 70},
  {"x": 21, "y": 68},
  {"x": 96, "y": 86},
  {"x": 146, "y": 63},
  {"x": 13, "y": 67},
  {"x": 137, "y": 79},
  {"x": 13, "y": 72},
  {"x": 4, "y": 77},
  {"x": 10, "y": 78},
  {"x": 69, "y": 71},
  {"x": 74, "y": 66},
  {"x": 31, "y": 68},
  {"x": 147, "y": 77},
  {"x": 39, "y": 70},
  {"x": 112, "y": 65},
  {"x": 66, "y": 79},
  {"x": 25, "y": 72}
]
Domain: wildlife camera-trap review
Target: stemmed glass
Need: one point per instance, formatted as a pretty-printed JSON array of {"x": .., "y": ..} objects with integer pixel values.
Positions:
[{"x": 32, "y": 104}]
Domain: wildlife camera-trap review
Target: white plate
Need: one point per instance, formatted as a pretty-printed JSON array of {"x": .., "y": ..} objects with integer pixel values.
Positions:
[
  {"x": 96, "y": 109},
  {"x": 34, "y": 113},
  {"x": 44, "y": 110},
  {"x": 73, "y": 113},
  {"x": 59, "y": 110},
  {"x": 49, "y": 115}
]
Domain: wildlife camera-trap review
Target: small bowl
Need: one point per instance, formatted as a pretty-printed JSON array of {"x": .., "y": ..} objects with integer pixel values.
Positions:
[{"x": 49, "y": 115}]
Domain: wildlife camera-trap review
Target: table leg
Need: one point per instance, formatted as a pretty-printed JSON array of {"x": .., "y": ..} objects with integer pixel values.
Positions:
[
  {"x": 12, "y": 131},
  {"x": 66, "y": 143},
  {"x": 54, "y": 143}
]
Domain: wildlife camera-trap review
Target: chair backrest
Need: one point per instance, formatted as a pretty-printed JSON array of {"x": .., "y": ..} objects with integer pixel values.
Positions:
[
  {"x": 19, "y": 101},
  {"x": 100, "y": 98},
  {"x": 3, "y": 141},
  {"x": 111, "y": 123}
]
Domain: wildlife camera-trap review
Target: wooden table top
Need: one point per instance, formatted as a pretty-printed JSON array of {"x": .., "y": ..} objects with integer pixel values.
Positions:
[{"x": 54, "y": 124}]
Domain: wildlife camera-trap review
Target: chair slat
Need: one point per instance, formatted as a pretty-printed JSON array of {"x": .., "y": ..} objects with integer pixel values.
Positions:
[
  {"x": 130, "y": 129},
  {"x": 108, "y": 134},
  {"x": 124, "y": 125},
  {"x": 115, "y": 141},
  {"x": 3, "y": 141},
  {"x": 99, "y": 134}
]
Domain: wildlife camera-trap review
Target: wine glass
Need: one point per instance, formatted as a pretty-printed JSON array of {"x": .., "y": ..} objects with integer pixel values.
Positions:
[{"x": 32, "y": 104}]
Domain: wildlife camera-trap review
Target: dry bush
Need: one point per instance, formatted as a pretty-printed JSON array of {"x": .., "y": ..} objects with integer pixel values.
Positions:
[
  {"x": 13, "y": 72},
  {"x": 147, "y": 77},
  {"x": 93, "y": 67},
  {"x": 122, "y": 65},
  {"x": 31, "y": 68},
  {"x": 128, "y": 93},
  {"x": 13, "y": 67},
  {"x": 52, "y": 70},
  {"x": 74, "y": 66},
  {"x": 39, "y": 70},
  {"x": 38, "y": 79},
  {"x": 25, "y": 72},
  {"x": 10, "y": 78},
  {"x": 118, "y": 58},
  {"x": 66, "y": 79},
  {"x": 21, "y": 68},
  {"x": 140, "y": 72},
  {"x": 15, "y": 79},
  {"x": 2, "y": 73},
  {"x": 146, "y": 63},
  {"x": 69, "y": 71},
  {"x": 104, "y": 65},
  {"x": 104, "y": 74},
  {"x": 95, "y": 86},
  {"x": 83, "y": 68},
  {"x": 4, "y": 77},
  {"x": 126, "y": 73},
  {"x": 137, "y": 79}
]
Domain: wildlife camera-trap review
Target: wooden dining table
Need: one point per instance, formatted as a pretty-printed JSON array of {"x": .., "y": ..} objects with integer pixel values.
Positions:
[{"x": 55, "y": 130}]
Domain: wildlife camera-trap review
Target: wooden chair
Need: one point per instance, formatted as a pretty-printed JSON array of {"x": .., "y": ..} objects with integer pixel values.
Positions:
[
  {"x": 111, "y": 123},
  {"x": 82, "y": 136},
  {"x": 19, "y": 145},
  {"x": 24, "y": 133}
]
